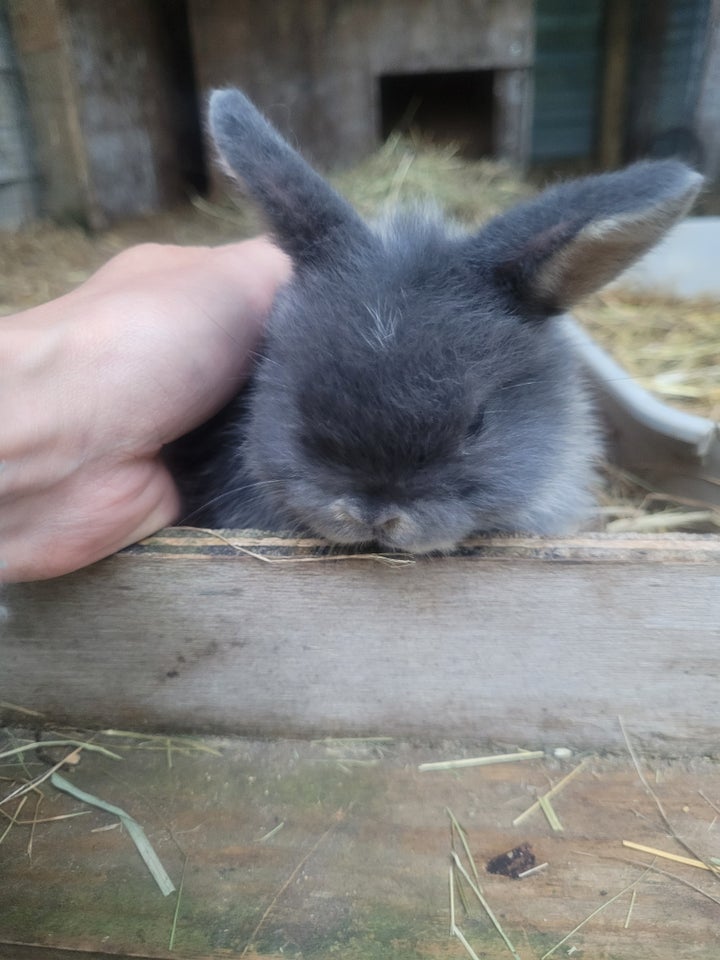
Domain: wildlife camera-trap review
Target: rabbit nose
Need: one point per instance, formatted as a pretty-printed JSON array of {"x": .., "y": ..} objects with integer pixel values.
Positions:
[
  {"x": 387, "y": 524},
  {"x": 345, "y": 511}
]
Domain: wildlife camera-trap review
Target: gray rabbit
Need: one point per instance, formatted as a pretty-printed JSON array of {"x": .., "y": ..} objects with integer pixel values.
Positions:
[{"x": 414, "y": 387}]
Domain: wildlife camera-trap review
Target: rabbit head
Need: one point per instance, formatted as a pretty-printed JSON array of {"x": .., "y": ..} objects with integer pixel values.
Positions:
[{"x": 414, "y": 386}]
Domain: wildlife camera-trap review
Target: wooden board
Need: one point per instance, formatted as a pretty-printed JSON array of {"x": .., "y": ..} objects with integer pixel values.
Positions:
[
  {"x": 101, "y": 92},
  {"x": 341, "y": 849},
  {"x": 524, "y": 640},
  {"x": 315, "y": 68}
]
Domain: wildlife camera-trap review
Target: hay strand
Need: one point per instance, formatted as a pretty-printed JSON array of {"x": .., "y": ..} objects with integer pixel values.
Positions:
[
  {"x": 456, "y": 828},
  {"x": 176, "y": 912},
  {"x": 391, "y": 561},
  {"x": 7, "y": 705},
  {"x": 548, "y": 810},
  {"x": 457, "y": 932},
  {"x": 560, "y": 785},
  {"x": 672, "y": 876},
  {"x": 630, "y": 908},
  {"x": 35, "y": 782},
  {"x": 43, "y": 744},
  {"x": 271, "y": 833},
  {"x": 13, "y": 818},
  {"x": 283, "y": 887},
  {"x": 482, "y": 761},
  {"x": 137, "y": 834},
  {"x": 656, "y": 800},
  {"x": 688, "y": 861},
  {"x": 603, "y": 906},
  {"x": 485, "y": 905}
]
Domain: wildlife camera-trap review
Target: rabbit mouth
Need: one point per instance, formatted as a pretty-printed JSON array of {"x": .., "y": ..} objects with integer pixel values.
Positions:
[
  {"x": 394, "y": 530},
  {"x": 439, "y": 546}
]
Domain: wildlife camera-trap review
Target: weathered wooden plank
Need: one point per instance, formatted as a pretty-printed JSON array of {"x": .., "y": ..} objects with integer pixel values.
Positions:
[
  {"x": 532, "y": 641},
  {"x": 707, "y": 115},
  {"x": 370, "y": 833},
  {"x": 618, "y": 38},
  {"x": 101, "y": 94},
  {"x": 315, "y": 68},
  {"x": 513, "y": 105},
  {"x": 40, "y": 951}
]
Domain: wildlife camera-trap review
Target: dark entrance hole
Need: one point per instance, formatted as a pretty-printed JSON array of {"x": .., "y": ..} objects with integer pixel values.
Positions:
[{"x": 444, "y": 107}]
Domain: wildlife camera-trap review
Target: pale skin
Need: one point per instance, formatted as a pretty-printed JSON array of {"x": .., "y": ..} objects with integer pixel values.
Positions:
[{"x": 96, "y": 382}]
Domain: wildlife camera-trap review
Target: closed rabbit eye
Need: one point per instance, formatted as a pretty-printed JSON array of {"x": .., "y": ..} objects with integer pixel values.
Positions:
[{"x": 476, "y": 424}]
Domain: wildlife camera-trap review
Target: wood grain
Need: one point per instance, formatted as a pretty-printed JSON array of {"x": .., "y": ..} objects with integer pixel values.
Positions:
[
  {"x": 530, "y": 641},
  {"x": 323, "y": 92}
]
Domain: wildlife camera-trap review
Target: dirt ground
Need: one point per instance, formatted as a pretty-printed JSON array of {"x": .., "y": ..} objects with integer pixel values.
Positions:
[
  {"x": 337, "y": 848},
  {"x": 46, "y": 259}
]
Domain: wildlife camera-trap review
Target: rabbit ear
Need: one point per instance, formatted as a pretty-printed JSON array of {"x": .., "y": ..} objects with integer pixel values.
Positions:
[
  {"x": 579, "y": 235},
  {"x": 309, "y": 220}
]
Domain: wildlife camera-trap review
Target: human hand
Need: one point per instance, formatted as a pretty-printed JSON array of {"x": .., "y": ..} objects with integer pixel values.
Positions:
[{"x": 95, "y": 383}]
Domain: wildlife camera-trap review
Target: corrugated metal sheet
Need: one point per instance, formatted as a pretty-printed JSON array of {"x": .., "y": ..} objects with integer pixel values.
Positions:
[
  {"x": 568, "y": 74},
  {"x": 668, "y": 46},
  {"x": 666, "y": 77},
  {"x": 682, "y": 58},
  {"x": 18, "y": 182}
]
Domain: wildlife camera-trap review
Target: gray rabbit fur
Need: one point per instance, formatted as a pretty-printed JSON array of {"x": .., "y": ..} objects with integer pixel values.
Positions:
[{"x": 414, "y": 385}]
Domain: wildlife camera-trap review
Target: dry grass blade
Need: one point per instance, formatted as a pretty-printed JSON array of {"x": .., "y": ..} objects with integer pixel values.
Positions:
[
  {"x": 408, "y": 170},
  {"x": 271, "y": 833},
  {"x": 44, "y": 744},
  {"x": 227, "y": 214},
  {"x": 13, "y": 818},
  {"x": 33, "y": 784},
  {"x": 176, "y": 913},
  {"x": 457, "y": 932},
  {"x": 136, "y": 832},
  {"x": 324, "y": 558},
  {"x": 560, "y": 785},
  {"x": 672, "y": 876},
  {"x": 451, "y": 886},
  {"x": 630, "y": 909},
  {"x": 6, "y": 705},
  {"x": 653, "y": 851},
  {"x": 179, "y": 744},
  {"x": 286, "y": 884},
  {"x": 456, "y": 828},
  {"x": 33, "y": 824},
  {"x": 709, "y": 802},
  {"x": 656, "y": 800},
  {"x": 60, "y": 816},
  {"x": 549, "y": 811},
  {"x": 482, "y": 761},
  {"x": 665, "y": 521},
  {"x": 485, "y": 905},
  {"x": 603, "y": 906}
]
